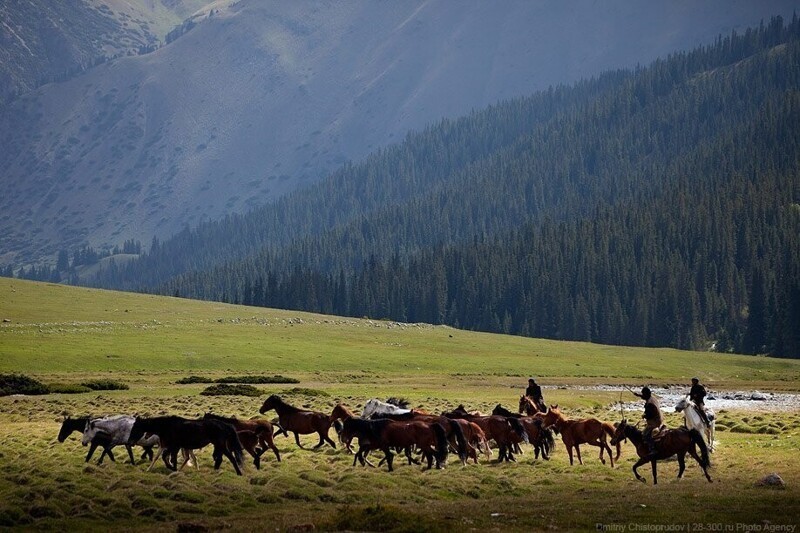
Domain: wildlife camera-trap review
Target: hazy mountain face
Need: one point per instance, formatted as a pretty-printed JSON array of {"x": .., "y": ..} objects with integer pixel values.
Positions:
[{"x": 263, "y": 97}]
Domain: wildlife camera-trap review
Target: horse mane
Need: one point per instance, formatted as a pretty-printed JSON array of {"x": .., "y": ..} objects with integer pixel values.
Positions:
[
  {"x": 285, "y": 405},
  {"x": 402, "y": 403},
  {"x": 502, "y": 411}
]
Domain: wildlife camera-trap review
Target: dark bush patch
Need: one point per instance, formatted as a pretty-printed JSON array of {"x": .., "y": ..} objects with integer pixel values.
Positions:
[
  {"x": 193, "y": 379},
  {"x": 19, "y": 384},
  {"x": 306, "y": 392},
  {"x": 67, "y": 388},
  {"x": 224, "y": 389},
  {"x": 257, "y": 379},
  {"x": 105, "y": 384}
]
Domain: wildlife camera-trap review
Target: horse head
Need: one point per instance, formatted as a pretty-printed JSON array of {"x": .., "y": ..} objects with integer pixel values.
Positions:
[
  {"x": 619, "y": 433},
  {"x": 269, "y": 403},
  {"x": 682, "y": 404}
]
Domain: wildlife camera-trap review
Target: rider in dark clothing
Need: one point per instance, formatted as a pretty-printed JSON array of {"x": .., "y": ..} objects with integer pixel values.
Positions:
[
  {"x": 534, "y": 391},
  {"x": 653, "y": 417},
  {"x": 698, "y": 394}
]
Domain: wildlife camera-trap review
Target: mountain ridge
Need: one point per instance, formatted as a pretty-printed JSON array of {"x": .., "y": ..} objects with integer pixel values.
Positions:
[{"x": 262, "y": 98}]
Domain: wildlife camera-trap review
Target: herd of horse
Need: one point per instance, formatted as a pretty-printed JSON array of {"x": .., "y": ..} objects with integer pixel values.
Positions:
[{"x": 389, "y": 427}]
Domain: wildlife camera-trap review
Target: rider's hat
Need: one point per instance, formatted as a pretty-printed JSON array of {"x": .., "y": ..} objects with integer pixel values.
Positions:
[
  {"x": 695, "y": 379},
  {"x": 645, "y": 390}
]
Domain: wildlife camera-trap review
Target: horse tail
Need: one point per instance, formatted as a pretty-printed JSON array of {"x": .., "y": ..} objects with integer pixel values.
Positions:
[
  {"x": 232, "y": 442},
  {"x": 461, "y": 440},
  {"x": 547, "y": 438},
  {"x": 697, "y": 438},
  {"x": 519, "y": 429},
  {"x": 610, "y": 430},
  {"x": 441, "y": 442}
]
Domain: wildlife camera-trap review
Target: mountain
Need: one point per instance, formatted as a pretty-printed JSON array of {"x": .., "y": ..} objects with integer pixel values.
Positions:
[
  {"x": 659, "y": 207},
  {"x": 251, "y": 100},
  {"x": 43, "y": 41}
]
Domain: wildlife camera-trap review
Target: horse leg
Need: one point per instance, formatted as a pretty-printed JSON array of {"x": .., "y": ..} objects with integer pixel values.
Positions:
[
  {"x": 636, "y": 466},
  {"x": 328, "y": 439},
  {"x": 389, "y": 456},
  {"x": 655, "y": 471},
  {"x": 569, "y": 451},
  {"x": 130, "y": 453},
  {"x": 602, "y": 449},
  {"x": 693, "y": 453},
  {"x": 155, "y": 458},
  {"x": 268, "y": 442},
  {"x": 297, "y": 440},
  {"x": 232, "y": 459},
  {"x": 578, "y": 452},
  {"x": 681, "y": 464}
]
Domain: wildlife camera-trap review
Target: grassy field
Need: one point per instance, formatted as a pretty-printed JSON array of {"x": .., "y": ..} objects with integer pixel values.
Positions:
[{"x": 67, "y": 335}]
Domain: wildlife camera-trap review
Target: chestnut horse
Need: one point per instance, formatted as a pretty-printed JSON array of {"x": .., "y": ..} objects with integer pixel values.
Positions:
[
  {"x": 339, "y": 414},
  {"x": 576, "y": 432},
  {"x": 670, "y": 442},
  {"x": 505, "y": 431},
  {"x": 475, "y": 439},
  {"x": 385, "y": 434},
  {"x": 529, "y": 407},
  {"x": 299, "y": 421},
  {"x": 252, "y": 433}
]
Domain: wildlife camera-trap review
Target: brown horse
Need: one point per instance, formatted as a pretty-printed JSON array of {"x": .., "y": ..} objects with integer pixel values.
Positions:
[
  {"x": 529, "y": 407},
  {"x": 668, "y": 443},
  {"x": 339, "y": 414},
  {"x": 475, "y": 438},
  {"x": 252, "y": 433},
  {"x": 576, "y": 432},
  {"x": 505, "y": 431},
  {"x": 299, "y": 421},
  {"x": 386, "y": 435},
  {"x": 540, "y": 437}
]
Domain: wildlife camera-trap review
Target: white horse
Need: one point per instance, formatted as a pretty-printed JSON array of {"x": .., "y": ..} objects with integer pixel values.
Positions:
[
  {"x": 117, "y": 429},
  {"x": 693, "y": 420},
  {"x": 375, "y": 408}
]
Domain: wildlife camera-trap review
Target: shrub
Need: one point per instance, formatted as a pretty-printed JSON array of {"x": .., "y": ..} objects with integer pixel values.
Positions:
[
  {"x": 105, "y": 384},
  {"x": 67, "y": 388},
  {"x": 193, "y": 379},
  {"x": 257, "y": 379},
  {"x": 19, "y": 384},
  {"x": 306, "y": 392},
  {"x": 224, "y": 389}
]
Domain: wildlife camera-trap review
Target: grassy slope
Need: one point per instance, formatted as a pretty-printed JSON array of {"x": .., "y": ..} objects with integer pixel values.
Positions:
[
  {"x": 62, "y": 329},
  {"x": 65, "y": 334}
]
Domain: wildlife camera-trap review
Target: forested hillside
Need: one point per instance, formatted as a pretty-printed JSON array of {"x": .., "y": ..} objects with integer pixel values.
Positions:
[{"x": 654, "y": 207}]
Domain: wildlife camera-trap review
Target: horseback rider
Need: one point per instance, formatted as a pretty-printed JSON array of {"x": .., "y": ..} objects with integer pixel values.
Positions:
[
  {"x": 653, "y": 417},
  {"x": 534, "y": 392},
  {"x": 697, "y": 394}
]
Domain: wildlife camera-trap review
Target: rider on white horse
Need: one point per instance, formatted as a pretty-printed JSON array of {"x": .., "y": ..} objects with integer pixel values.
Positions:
[{"x": 697, "y": 394}]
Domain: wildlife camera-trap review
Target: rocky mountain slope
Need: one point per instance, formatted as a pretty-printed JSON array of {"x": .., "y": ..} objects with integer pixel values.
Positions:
[{"x": 260, "y": 98}]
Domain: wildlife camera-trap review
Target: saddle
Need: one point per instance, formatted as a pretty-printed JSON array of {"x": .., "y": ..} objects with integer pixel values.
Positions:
[
  {"x": 709, "y": 416},
  {"x": 659, "y": 433}
]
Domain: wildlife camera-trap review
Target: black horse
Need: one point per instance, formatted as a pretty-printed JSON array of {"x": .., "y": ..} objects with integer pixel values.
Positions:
[
  {"x": 539, "y": 436},
  {"x": 177, "y": 432}
]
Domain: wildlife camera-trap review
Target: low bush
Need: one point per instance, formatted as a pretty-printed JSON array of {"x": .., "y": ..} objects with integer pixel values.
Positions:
[
  {"x": 193, "y": 379},
  {"x": 224, "y": 389},
  {"x": 67, "y": 388},
  {"x": 257, "y": 379},
  {"x": 306, "y": 392},
  {"x": 19, "y": 384},
  {"x": 105, "y": 384}
]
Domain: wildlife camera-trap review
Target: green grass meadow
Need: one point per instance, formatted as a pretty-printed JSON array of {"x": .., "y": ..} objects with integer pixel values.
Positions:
[{"x": 67, "y": 335}]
